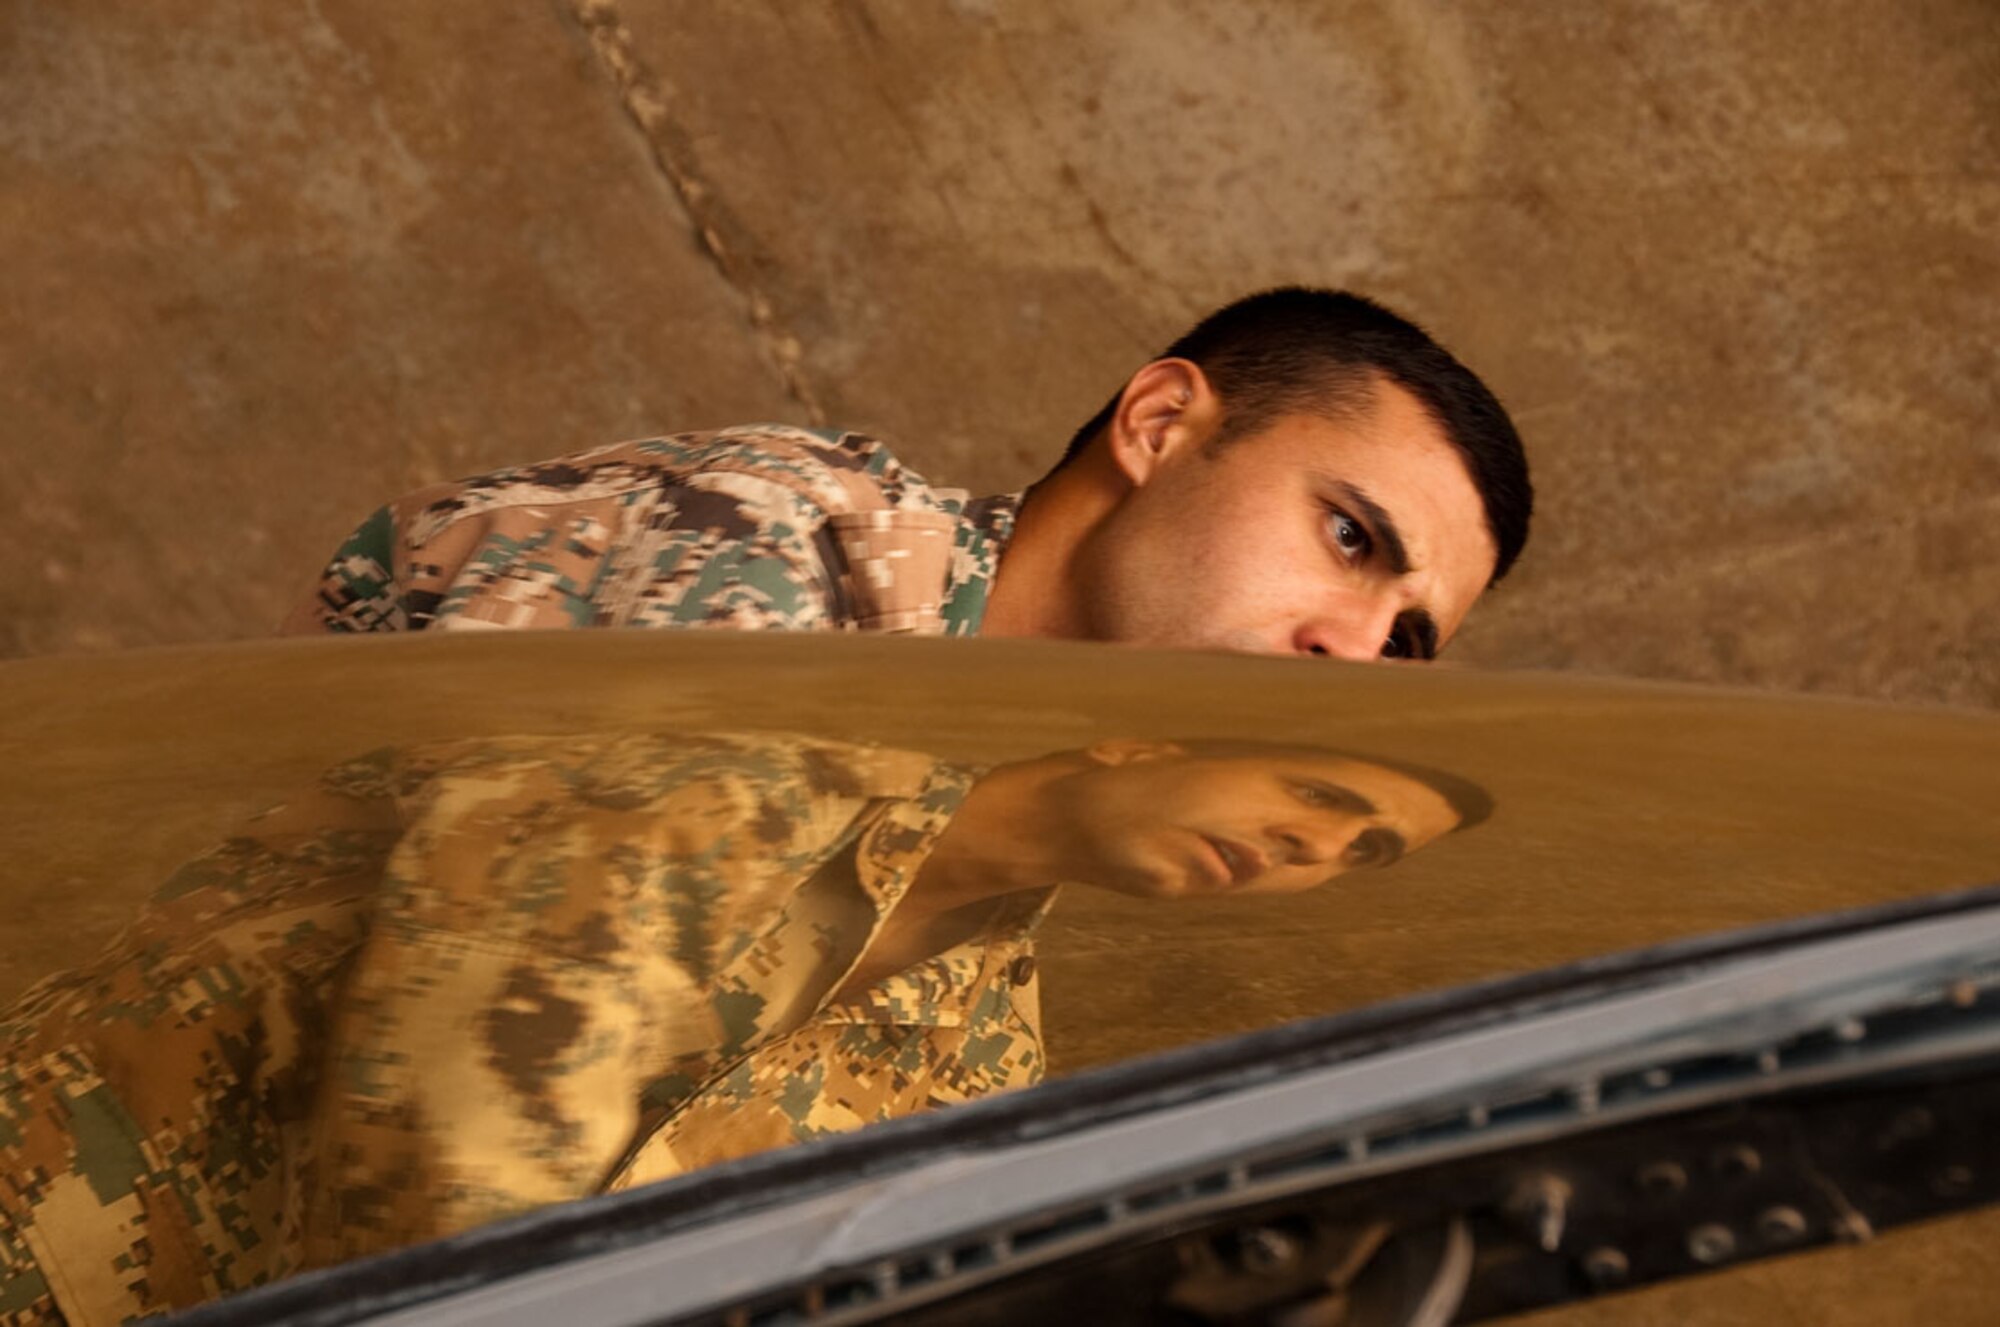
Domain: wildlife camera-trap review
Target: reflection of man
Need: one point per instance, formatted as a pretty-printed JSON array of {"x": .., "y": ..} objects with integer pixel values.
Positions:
[
  {"x": 454, "y": 983},
  {"x": 1303, "y": 473}
]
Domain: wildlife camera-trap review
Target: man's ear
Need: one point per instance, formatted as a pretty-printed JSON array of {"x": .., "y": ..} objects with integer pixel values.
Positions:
[
  {"x": 1129, "y": 750},
  {"x": 1167, "y": 410}
]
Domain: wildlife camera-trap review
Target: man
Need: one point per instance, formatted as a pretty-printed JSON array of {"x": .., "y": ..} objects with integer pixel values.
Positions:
[
  {"x": 453, "y": 983},
  {"x": 1303, "y": 473}
]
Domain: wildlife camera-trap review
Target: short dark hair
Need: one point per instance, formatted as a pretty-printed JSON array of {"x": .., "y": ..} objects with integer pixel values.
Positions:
[{"x": 1301, "y": 350}]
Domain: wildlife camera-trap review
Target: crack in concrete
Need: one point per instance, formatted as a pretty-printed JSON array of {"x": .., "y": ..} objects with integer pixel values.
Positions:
[
  {"x": 1094, "y": 215},
  {"x": 726, "y": 241}
]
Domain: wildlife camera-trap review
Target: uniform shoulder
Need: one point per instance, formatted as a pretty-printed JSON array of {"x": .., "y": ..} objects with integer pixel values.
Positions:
[
  {"x": 829, "y": 469},
  {"x": 614, "y": 768},
  {"x": 837, "y": 470}
]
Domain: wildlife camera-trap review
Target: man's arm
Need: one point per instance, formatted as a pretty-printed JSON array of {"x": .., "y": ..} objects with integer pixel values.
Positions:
[
  {"x": 551, "y": 933},
  {"x": 762, "y": 528},
  {"x": 356, "y": 591}
]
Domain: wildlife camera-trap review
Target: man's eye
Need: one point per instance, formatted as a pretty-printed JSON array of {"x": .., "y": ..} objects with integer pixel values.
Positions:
[
  {"x": 1369, "y": 848},
  {"x": 1312, "y": 795},
  {"x": 1395, "y": 647},
  {"x": 1347, "y": 534}
]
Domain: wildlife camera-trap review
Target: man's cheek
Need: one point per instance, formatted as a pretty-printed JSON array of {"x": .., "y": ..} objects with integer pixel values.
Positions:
[
  {"x": 1151, "y": 874},
  {"x": 1245, "y": 641}
]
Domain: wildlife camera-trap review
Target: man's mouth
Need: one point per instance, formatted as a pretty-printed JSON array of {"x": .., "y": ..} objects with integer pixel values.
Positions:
[{"x": 1240, "y": 862}]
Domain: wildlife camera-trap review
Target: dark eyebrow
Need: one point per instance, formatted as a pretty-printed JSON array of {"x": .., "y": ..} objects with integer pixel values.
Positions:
[
  {"x": 1394, "y": 555},
  {"x": 1341, "y": 793}
]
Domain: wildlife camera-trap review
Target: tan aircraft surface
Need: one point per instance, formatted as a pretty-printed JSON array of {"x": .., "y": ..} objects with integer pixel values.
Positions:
[{"x": 1625, "y": 815}]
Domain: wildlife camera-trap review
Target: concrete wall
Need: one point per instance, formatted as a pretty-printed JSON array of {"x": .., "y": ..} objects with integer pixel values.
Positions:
[{"x": 1735, "y": 267}]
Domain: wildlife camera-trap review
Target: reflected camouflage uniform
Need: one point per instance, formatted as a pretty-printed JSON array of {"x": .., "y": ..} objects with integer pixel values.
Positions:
[
  {"x": 760, "y": 527},
  {"x": 456, "y": 982}
]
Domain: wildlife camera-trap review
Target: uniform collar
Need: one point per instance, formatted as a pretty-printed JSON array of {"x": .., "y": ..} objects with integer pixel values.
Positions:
[
  {"x": 984, "y": 527},
  {"x": 950, "y": 989}
]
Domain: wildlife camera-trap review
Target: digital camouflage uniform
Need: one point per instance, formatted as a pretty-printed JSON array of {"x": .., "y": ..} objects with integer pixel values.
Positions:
[
  {"x": 760, "y": 527},
  {"x": 456, "y": 982}
]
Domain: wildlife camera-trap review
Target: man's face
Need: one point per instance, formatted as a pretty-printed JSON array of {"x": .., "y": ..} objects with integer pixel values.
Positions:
[
  {"x": 1151, "y": 820},
  {"x": 1355, "y": 538}
]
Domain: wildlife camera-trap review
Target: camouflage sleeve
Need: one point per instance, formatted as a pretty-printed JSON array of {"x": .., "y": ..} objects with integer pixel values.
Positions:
[
  {"x": 730, "y": 529},
  {"x": 550, "y": 926},
  {"x": 357, "y": 589},
  {"x": 726, "y": 530},
  {"x": 146, "y": 1099}
]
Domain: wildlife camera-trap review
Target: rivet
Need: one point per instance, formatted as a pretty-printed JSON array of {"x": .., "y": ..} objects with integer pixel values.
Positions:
[
  {"x": 1850, "y": 1030},
  {"x": 1736, "y": 1162},
  {"x": 1263, "y": 1251},
  {"x": 1661, "y": 1179},
  {"x": 1710, "y": 1243},
  {"x": 1606, "y": 1266},
  {"x": 1781, "y": 1225},
  {"x": 1541, "y": 1203}
]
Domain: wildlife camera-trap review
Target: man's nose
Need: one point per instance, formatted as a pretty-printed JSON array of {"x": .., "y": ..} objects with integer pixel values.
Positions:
[{"x": 1358, "y": 634}]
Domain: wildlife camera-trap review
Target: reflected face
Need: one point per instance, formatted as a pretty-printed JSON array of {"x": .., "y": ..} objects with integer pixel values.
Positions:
[
  {"x": 1356, "y": 538},
  {"x": 1155, "y": 821}
]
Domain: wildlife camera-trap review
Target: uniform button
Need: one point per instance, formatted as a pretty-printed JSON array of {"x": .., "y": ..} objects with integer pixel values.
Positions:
[{"x": 1022, "y": 970}]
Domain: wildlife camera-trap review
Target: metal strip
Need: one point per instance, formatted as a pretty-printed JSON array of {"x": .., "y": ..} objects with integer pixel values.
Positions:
[{"x": 1742, "y": 1007}]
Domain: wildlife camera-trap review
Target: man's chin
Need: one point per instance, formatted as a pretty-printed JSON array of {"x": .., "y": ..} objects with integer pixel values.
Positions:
[
  {"x": 1164, "y": 886},
  {"x": 1142, "y": 884},
  {"x": 1228, "y": 642}
]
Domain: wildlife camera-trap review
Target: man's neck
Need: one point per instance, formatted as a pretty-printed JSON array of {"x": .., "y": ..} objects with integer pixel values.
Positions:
[
  {"x": 1008, "y": 835},
  {"x": 1035, "y": 591},
  {"x": 1004, "y": 839}
]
